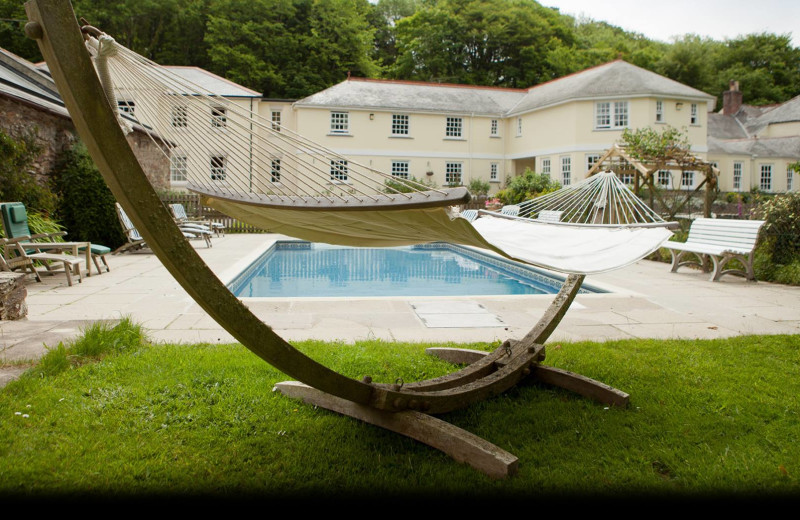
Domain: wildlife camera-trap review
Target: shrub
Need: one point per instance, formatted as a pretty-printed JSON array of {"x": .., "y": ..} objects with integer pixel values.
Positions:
[
  {"x": 86, "y": 205},
  {"x": 527, "y": 186},
  {"x": 17, "y": 182},
  {"x": 781, "y": 231},
  {"x": 406, "y": 185},
  {"x": 478, "y": 187}
]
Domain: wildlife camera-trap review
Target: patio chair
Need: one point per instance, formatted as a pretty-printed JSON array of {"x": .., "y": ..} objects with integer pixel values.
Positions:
[
  {"x": 15, "y": 256},
  {"x": 510, "y": 210},
  {"x": 15, "y": 224},
  {"x": 179, "y": 212},
  {"x": 469, "y": 214},
  {"x": 136, "y": 240}
]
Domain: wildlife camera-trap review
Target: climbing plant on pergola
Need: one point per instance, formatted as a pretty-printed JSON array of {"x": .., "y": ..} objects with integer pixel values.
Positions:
[{"x": 644, "y": 152}]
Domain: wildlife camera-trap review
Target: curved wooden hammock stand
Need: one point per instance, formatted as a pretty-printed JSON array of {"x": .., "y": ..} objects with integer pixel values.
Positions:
[{"x": 406, "y": 409}]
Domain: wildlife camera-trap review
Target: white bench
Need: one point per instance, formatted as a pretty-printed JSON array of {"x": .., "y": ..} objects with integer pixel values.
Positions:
[
  {"x": 722, "y": 240},
  {"x": 549, "y": 216}
]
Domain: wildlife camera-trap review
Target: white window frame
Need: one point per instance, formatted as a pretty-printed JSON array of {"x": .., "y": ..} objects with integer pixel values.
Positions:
[
  {"x": 219, "y": 117},
  {"x": 611, "y": 115},
  {"x": 566, "y": 170},
  {"x": 339, "y": 171},
  {"x": 401, "y": 169},
  {"x": 494, "y": 128},
  {"x": 627, "y": 178},
  {"x": 546, "y": 167},
  {"x": 519, "y": 127},
  {"x": 789, "y": 179},
  {"x": 738, "y": 170},
  {"x": 218, "y": 171},
  {"x": 453, "y": 173},
  {"x": 276, "y": 117},
  {"x": 664, "y": 178},
  {"x": 494, "y": 172},
  {"x": 126, "y": 106},
  {"x": 400, "y": 125},
  {"x": 694, "y": 116},
  {"x": 591, "y": 160},
  {"x": 659, "y": 111},
  {"x": 275, "y": 170},
  {"x": 765, "y": 179},
  {"x": 340, "y": 122},
  {"x": 180, "y": 116},
  {"x": 453, "y": 127},
  {"x": 687, "y": 179},
  {"x": 178, "y": 167}
]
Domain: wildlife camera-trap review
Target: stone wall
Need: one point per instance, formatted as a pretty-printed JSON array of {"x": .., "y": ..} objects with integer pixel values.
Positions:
[
  {"x": 12, "y": 296},
  {"x": 54, "y": 134}
]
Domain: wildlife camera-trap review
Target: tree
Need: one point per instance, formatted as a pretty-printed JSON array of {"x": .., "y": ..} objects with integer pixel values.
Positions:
[
  {"x": 691, "y": 60},
  {"x": 481, "y": 42},
  {"x": 527, "y": 186}
]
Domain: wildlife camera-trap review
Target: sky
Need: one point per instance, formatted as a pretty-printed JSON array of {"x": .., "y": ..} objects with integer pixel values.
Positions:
[{"x": 718, "y": 19}]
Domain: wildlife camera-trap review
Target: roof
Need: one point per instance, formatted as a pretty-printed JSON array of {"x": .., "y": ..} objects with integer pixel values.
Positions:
[
  {"x": 415, "y": 96},
  {"x": 211, "y": 82},
  {"x": 614, "y": 79},
  {"x": 765, "y": 147}
]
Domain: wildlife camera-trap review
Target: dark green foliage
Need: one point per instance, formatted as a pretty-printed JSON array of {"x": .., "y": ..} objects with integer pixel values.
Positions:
[
  {"x": 478, "y": 187},
  {"x": 17, "y": 181},
  {"x": 86, "y": 205},
  {"x": 527, "y": 186},
  {"x": 778, "y": 254}
]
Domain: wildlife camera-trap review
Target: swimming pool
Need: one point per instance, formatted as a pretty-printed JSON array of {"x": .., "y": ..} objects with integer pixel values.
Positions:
[{"x": 291, "y": 269}]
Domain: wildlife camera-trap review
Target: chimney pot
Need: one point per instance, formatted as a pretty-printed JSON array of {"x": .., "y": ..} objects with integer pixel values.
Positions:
[{"x": 732, "y": 99}]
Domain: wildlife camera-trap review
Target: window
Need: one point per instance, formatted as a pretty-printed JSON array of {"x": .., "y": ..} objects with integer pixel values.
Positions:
[
  {"x": 276, "y": 120},
  {"x": 693, "y": 117},
  {"x": 219, "y": 117},
  {"x": 519, "y": 126},
  {"x": 275, "y": 170},
  {"x": 399, "y": 124},
  {"x": 546, "y": 167},
  {"x": 664, "y": 178},
  {"x": 591, "y": 160},
  {"x": 180, "y": 117},
  {"x": 340, "y": 123},
  {"x": 566, "y": 170},
  {"x": 687, "y": 179},
  {"x": 400, "y": 169},
  {"x": 126, "y": 106},
  {"x": 737, "y": 175},
  {"x": 493, "y": 172},
  {"x": 627, "y": 178},
  {"x": 659, "y": 111},
  {"x": 789, "y": 179},
  {"x": 453, "y": 127},
  {"x": 178, "y": 165},
  {"x": 452, "y": 173},
  {"x": 218, "y": 163},
  {"x": 604, "y": 111},
  {"x": 766, "y": 178},
  {"x": 494, "y": 129},
  {"x": 338, "y": 170}
]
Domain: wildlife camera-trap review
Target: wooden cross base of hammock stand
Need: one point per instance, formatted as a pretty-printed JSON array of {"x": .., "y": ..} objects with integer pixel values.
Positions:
[{"x": 459, "y": 444}]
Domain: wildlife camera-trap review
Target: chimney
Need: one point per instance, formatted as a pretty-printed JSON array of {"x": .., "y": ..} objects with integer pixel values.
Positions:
[{"x": 731, "y": 99}]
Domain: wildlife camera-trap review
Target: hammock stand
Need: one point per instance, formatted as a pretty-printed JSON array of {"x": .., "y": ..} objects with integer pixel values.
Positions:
[{"x": 407, "y": 409}]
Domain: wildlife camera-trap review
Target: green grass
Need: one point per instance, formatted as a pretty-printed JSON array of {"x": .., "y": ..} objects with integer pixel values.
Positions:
[{"x": 706, "y": 418}]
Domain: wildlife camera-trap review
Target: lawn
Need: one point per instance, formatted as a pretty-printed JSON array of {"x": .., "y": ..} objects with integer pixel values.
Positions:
[{"x": 113, "y": 415}]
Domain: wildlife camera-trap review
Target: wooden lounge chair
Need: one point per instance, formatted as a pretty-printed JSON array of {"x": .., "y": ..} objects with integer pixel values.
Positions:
[
  {"x": 179, "y": 212},
  {"x": 15, "y": 224},
  {"x": 15, "y": 256},
  {"x": 136, "y": 240}
]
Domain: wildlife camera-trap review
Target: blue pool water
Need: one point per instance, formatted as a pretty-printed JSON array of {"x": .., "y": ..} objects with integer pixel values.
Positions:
[{"x": 303, "y": 269}]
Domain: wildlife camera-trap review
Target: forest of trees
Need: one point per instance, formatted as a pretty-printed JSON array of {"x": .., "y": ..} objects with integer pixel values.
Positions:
[{"x": 293, "y": 48}]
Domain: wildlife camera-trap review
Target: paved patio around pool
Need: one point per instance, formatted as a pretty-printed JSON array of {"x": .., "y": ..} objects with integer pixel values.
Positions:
[{"x": 646, "y": 301}]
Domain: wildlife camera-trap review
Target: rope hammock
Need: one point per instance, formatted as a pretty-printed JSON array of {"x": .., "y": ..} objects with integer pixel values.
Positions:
[{"x": 276, "y": 179}]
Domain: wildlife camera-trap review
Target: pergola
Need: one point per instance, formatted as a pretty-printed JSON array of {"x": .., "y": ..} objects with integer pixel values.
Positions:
[{"x": 619, "y": 160}]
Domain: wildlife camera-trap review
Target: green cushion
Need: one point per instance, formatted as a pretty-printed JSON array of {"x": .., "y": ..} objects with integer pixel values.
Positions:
[
  {"x": 15, "y": 219},
  {"x": 97, "y": 249},
  {"x": 18, "y": 214}
]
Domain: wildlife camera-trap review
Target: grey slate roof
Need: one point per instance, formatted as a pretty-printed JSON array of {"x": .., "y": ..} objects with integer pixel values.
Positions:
[
  {"x": 724, "y": 126},
  {"x": 614, "y": 79},
  {"x": 766, "y": 147},
  {"x": 21, "y": 80},
  {"x": 212, "y": 82},
  {"x": 611, "y": 80},
  {"x": 415, "y": 96}
]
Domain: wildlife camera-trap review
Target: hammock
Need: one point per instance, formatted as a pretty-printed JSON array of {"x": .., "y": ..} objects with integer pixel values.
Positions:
[{"x": 275, "y": 179}]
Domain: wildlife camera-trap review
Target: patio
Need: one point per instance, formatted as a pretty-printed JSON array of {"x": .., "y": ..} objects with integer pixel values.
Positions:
[{"x": 646, "y": 301}]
